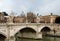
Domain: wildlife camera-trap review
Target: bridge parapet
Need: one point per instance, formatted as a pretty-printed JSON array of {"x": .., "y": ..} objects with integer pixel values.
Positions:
[{"x": 20, "y": 24}]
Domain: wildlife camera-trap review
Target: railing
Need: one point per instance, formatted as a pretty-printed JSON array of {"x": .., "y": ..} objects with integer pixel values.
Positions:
[{"x": 29, "y": 24}]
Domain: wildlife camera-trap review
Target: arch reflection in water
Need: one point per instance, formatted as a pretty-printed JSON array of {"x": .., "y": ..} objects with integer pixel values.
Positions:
[{"x": 25, "y": 33}]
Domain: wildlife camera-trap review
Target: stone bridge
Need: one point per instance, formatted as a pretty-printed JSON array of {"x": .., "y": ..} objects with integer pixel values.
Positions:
[{"x": 8, "y": 31}]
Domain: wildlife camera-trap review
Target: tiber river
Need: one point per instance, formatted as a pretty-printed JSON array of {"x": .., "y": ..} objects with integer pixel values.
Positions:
[{"x": 46, "y": 38}]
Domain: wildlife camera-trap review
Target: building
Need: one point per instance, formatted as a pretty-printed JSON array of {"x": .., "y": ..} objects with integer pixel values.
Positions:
[
  {"x": 19, "y": 19},
  {"x": 32, "y": 18}
]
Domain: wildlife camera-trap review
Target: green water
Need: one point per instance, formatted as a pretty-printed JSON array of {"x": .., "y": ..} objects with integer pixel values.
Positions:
[{"x": 44, "y": 39}]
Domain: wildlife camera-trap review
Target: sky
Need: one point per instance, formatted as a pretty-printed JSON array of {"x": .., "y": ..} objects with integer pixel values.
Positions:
[{"x": 43, "y": 7}]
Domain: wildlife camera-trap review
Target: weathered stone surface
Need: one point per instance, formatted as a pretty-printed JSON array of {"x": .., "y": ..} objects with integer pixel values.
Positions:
[{"x": 9, "y": 30}]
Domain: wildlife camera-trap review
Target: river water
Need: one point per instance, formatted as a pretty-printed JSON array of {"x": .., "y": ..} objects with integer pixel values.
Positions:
[{"x": 46, "y": 38}]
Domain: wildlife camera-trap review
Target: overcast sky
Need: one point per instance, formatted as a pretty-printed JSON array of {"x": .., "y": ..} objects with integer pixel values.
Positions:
[{"x": 43, "y": 7}]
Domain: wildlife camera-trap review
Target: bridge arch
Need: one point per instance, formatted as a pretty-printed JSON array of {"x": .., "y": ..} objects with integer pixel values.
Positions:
[
  {"x": 44, "y": 27},
  {"x": 29, "y": 28},
  {"x": 57, "y": 20},
  {"x": 3, "y": 34},
  {"x": 26, "y": 32},
  {"x": 2, "y": 37},
  {"x": 20, "y": 28},
  {"x": 45, "y": 30}
]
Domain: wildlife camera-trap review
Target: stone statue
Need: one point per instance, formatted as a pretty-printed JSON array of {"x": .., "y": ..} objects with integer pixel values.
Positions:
[{"x": 10, "y": 19}]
